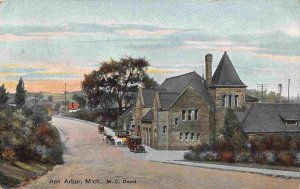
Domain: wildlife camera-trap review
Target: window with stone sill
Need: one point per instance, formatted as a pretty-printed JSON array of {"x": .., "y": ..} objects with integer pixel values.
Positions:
[
  {"x": 176, "y": 121},
  {"x": 164, "y": 129},
  {"x": 198, "y": 136},
  {"x": 192, "y": 136},
  {"x": 229, "y": 100},
  {"x": 189, "y": 115},
  {"x": 186, "y": 136},
  {"x": 196, "y": 114},
  {"x": 180, "y": 136},
  {"x": 236, "y": 100},
  {"x": 183, "y": 115}
]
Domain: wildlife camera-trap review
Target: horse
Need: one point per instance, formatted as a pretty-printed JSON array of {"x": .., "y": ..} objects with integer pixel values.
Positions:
[{"x": 119, "y": 141}]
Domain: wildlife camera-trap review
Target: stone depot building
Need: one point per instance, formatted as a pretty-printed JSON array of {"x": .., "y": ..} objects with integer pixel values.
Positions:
[{"x": 187, "y": 110}]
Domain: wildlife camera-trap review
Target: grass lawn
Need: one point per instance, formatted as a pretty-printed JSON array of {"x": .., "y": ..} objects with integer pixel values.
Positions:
[{"x": 14, "y": 174}]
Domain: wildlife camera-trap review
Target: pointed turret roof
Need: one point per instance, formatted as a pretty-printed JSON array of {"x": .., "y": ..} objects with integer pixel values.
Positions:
[{"x": 225, "y": 74}]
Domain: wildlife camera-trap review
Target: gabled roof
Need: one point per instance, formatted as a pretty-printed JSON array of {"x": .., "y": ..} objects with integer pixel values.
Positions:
[
  {"x": 148, "y": 97},
  {"x": 147, "y": 117},
  {"x": 179, "y": 83},
  {"x": 167, "y": 98},
  {"x": 131, "y": 109},
  {"x": 270, "y": 118},
  {"x": 226, "y": 75}
]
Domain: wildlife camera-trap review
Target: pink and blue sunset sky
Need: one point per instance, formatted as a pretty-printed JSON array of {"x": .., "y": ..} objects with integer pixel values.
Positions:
[{"x": 52, "y": 42}]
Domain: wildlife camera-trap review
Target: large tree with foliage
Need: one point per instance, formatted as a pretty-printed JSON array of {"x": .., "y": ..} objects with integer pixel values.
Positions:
[
  {"x": 114, "y": 80},
  {"x": 20, "y": 97},
  {"x": 80, "y": 99},
  {"x": 3, "y": 95}
]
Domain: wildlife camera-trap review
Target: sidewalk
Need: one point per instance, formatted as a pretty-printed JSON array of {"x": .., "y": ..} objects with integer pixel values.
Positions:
[{"x": 176, "y": 157}]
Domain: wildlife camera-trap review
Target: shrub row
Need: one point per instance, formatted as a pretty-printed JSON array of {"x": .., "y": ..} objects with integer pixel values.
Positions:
[
  {"x": 267, "y": 157},
  {"x": 272, "y": 149},
  {"x": 21, "y": 139}
]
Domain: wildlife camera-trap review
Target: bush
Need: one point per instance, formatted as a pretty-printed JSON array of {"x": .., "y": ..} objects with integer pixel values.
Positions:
[
  {"x": 210, "y": 156},
  {"x": 227, "y": 156},
  {"x": 223, "y": 146},
  {"x": 295, "y": 143},
  {"x": 9, "y": 154},
  {"x": 287, "y": 158},
  {"x": 271, "y": 157},
  {"x": 260, "y": 158},
  {"x": 191, "y": 156},
  {"x": 43, "y": 129},
  {"x": 242, "y": 157},
  {"x": 201, "y": 148}
]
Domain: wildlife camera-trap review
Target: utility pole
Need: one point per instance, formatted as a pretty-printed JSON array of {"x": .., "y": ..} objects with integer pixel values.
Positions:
[
  {"x": 279, "y": 91},
  {"x": 262, "y": 86},
  {"x": 289, "y": 90},
  {"x": 298, "y": 97},
  {"x": 65, "y": 97},
  {"x": 35, "y": 109}
]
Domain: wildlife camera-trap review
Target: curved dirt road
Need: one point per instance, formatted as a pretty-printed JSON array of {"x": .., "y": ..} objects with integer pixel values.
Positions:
[{"x": 90, "y": 163}]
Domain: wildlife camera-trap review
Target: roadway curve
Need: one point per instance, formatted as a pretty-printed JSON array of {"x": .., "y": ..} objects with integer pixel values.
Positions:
[{"x": 87, "y": 157}]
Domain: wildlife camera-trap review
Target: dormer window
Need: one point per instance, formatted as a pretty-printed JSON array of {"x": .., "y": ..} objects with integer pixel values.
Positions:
[
  {"x": 290, "y": 118},
  {"x": 291, "y": 122}
]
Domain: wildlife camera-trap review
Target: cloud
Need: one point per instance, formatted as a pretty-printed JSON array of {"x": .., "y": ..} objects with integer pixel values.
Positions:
[
  {"x": 20, "y": 66},
  {"x": 221, "y": 45},
  {"x": 292, "y": 30},
  {"x": 34, "y": 36},
  {"x": 10, "y": 74},
  {"x": 281, "y": 58},
  {"x": 140, "y": 32},
  {"x": 53, "y": 86},
  {"x": 153, "y": 70}
]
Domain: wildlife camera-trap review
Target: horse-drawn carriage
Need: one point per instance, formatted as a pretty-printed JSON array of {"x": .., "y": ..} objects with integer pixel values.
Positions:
[
  {"x": 121, "y": 137},
  {"x": 101, "y": 129},
  {"x": 135, "y": 144}
]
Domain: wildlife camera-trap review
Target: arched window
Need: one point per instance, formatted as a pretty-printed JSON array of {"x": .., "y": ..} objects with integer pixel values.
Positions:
[
  {"x": 186, "y": 135},
  {"x": 192, "y": 136},
  {"x": 180, "y": 136}
]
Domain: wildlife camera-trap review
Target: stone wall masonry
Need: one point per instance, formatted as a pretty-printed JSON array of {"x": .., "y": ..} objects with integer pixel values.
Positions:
[
  {"x": 190, "y": 100},
  {"x": 162, "y": 138}
]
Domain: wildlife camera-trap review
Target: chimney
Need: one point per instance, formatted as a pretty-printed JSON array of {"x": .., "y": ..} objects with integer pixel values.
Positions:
[{"x": 208, "y": 65}]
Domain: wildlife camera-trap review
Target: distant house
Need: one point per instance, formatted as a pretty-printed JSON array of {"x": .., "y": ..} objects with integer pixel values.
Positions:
[
  {"x": 55, "y": 108},
  {"x": 250, "y": 101},
  {"x": 266, "y": 118},
  {"x": 48, "y": 106},
  {"x": 73, "y": 107}
]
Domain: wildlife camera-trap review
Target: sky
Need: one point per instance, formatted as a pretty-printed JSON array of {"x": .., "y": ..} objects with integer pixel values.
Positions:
[{"x": 52, "y": 42}]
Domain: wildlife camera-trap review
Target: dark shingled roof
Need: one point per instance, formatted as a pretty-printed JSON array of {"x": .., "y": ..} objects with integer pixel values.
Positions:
[
  {"x": 179, "y": 83},
  {"x": 148, "y": 97},
  {"x": 251, "y": 99},
  {"x": 147, "y": 117},
  {"x": 225, "y": 74},
  {"x": 166, "y": 99},
  {"x": 270, "y": 118},
  {"x": 130, "y": 109}
]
